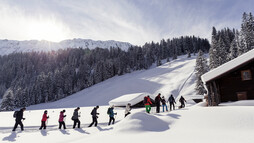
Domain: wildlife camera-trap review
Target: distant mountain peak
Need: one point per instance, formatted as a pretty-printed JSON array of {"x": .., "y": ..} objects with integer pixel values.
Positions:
[{"x": 14, "y": 46}]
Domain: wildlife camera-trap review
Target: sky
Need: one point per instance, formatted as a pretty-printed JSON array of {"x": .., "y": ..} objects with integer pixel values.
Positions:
[{"x": 133, "y": 21}]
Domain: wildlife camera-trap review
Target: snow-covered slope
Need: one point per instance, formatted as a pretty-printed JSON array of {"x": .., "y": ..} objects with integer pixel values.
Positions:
[
  {"x": 12, "y": 46},
  {"x": 175, "y": 77},
  {"x": 230, "y": 123}
]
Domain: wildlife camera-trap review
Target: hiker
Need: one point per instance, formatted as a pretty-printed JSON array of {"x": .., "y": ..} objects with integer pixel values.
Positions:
[
  {"x": 94, "y": 116},
  {"x": 19, "y": 116},
  {"x": 111, "y": 115},
  {"x": 163, "y": 101},
  {"x": 127, "y": 109},
  {"x": 172, "y": 102},
  {"x": 148, "y": 103},
  {"x": 61, "y": 120},
  {"x": 158, "y": 102},
  {"x": 75, "y": 118},
  {"x": 182, "y": 100},
  {"x": 44, "y": 119}
]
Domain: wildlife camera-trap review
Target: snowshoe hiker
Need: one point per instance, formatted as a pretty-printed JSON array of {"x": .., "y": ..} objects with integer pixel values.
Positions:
[
  {"x": 61, "y": 120},
  {"x": 94, "y": 116},
  {"x": 44, "y": 119},
  {"x": 172, "y": 102},
  {"x": 158, "y": 102},
  {"x": 182, "y": 101},
  {"x": 163, "y": 101},
  {"x": 148, "y": 103},
  {"x": 75, "y": 118},
  {"x": 19, "y": 117},
  {"x": 111, "y": 115},
  {"x": 127, "y": 109}
]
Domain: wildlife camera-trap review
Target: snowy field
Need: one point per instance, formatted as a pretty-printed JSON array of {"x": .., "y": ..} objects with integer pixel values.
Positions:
[{"x": 228, "y": 123}]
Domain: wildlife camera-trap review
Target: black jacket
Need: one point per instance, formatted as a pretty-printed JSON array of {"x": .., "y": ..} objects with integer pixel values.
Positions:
[
  {"x": 19, "y": 115},
  {"x": 94, "y": 112}
]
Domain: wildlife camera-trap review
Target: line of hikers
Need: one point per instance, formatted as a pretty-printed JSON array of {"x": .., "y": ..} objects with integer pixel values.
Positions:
[
  {"x": 19, "y": 117},
  {"x": 161, "y": 100},
  {"x": 147, "y": 102}
]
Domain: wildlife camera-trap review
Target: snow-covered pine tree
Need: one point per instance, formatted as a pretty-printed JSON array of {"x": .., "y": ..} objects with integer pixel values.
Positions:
[
  {"x": 222, "y": 51},
  {"x": 200, "y": 69},
  {"x": 234, "y": 47},
  {"x": 8, "y": 101},
  {"x": 213, "y": 52}
]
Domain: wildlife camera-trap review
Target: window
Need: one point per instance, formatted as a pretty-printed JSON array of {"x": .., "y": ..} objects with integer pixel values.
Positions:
[
  {"x": 242, "y": 95},
  {"x": 246, "y": 75}
]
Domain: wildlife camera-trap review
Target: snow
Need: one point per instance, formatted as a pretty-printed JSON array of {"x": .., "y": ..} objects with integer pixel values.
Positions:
[
  {"x": 246, "y": 57},
  {"x": 230, "y": 122},
  {"x": 13, "y": 46},
  {"x": 128, "y": 98},
  {"x": 174, "y": 78}
]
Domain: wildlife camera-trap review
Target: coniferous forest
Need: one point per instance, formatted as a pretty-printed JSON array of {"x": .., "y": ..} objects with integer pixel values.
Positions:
[
  {"x": 39, "y": 77},
  {"x": 226, "y": 45}
]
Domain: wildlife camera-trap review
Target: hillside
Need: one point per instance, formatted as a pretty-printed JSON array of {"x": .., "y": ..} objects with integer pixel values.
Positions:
[
  {"x": 175, "y": 77},
  {"x": 231, "y": 122},
  {"x": 13, "y": 46}
]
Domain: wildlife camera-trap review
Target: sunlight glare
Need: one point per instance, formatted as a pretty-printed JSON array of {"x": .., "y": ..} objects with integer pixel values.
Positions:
[{"x": 46, "y": 30}]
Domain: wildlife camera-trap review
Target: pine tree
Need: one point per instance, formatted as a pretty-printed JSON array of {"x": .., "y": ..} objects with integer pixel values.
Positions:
[
  {"x": 234, "y": 48},
  {"x": 213, "y": 52},
  {"x": 8, "y": 101},
  {"x": 200, "y": 69}
]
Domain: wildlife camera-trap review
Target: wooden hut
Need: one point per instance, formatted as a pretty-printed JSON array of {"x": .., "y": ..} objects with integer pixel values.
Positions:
[{"x": 231, "y": 81}]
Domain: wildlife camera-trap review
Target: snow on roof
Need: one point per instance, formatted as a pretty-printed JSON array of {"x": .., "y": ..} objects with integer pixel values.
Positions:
[
  {"x": 228, "y": 66},
  {"x": 128, "y": 98}
]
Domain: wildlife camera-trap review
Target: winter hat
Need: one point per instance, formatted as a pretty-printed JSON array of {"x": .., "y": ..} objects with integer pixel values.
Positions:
[
  {"x": 78, "y": 108},
  {"x": 45, "y": 111},
  {"x": 97, "y": 106},
  {"x": 63, "y": 110}
]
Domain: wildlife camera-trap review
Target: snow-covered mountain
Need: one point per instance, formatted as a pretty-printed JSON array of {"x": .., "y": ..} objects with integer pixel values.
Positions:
[{"x": 12, "y": 46}]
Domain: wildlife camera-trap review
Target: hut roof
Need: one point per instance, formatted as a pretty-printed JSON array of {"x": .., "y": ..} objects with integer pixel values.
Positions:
[
  {"x": 229, "y": 66},
  {"x": 128, "y": 98}
]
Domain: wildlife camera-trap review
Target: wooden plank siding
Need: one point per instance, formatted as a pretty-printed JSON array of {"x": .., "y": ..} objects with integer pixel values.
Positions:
[{"x": 230, "y": 86}]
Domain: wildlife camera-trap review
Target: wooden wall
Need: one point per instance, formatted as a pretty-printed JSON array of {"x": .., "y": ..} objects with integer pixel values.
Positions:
[{"x": 231, "y": 84}]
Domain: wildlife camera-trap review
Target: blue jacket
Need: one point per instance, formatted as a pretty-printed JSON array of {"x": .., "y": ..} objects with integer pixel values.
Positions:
[{"x": 111, "y": 112}]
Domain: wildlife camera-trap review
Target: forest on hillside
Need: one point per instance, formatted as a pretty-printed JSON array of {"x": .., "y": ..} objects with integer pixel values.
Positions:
[
  {"x": 40, "y": 77},
  {"x": 226, "y": 45}
]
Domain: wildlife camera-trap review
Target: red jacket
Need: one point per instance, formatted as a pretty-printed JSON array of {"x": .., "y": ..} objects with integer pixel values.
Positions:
[
  {"x": 148, "y": 101},
  {"x": 61, "y": 117},
  {"x": 44, "y": 117}
]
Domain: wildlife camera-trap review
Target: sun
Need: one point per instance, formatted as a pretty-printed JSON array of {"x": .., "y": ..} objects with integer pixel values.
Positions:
[{"x": 46, "y": 30}]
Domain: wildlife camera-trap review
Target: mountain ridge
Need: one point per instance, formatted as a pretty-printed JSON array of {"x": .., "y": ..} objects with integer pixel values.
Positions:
[{"x": 15, "y": 46}]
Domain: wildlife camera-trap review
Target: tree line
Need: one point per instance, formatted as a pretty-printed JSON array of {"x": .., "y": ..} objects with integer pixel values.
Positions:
[
  {"x": 226, "y": 44},
  {"x": 40, "y": 77}
]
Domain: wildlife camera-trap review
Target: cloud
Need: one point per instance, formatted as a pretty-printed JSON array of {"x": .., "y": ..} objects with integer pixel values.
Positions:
[{"x": 134, "y": 21}]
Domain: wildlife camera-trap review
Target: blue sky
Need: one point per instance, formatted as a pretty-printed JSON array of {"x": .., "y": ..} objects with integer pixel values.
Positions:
[{"x": 134, "y": 21}]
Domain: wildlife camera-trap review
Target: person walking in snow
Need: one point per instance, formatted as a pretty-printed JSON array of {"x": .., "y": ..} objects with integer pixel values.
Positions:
[
  {"x": 172, "y": 102},
  {"x": 61, "y": 120},
  {"x": 158, "y": 102},
  {"x": 163, "y": 101},
  {"x": 75, "y": 118},
  {"x": 127, "y": 109},
  {"x": 94, "y": 116},
  {"x": 44, "y": 119},
  {"x": 148, "y": 103},
  {"x": 111, "y": 115},
  {"x": 182, "y": 101},
  {"x": 19, "y": 117}
]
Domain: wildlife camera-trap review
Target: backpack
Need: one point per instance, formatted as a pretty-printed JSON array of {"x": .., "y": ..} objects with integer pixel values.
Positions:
[
  {"x": 15, "y": 114},
  {"x": 108, "y": 112},
  {"x": 145, "y": 100},
  {"x": 91, "y": 112}
]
